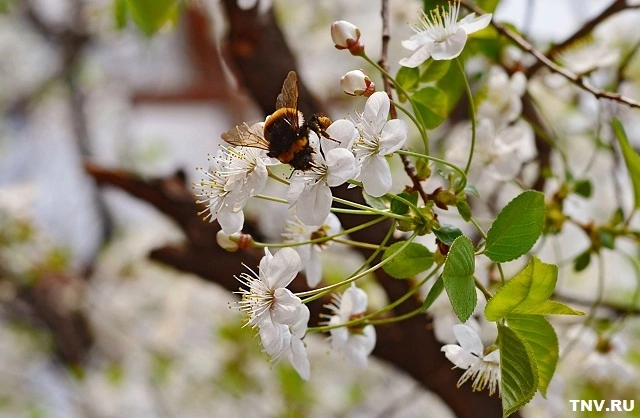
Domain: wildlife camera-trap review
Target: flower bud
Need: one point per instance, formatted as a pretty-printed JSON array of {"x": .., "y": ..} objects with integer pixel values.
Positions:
[
  {"x": 346, "y": 35},
  {"x": 232, "y": 242},
  {"x": 357, "y": 83}
]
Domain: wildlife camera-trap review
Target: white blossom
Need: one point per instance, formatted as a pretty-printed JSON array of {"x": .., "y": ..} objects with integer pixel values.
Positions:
[
  {"x": 266, "y": 296},
  {"x": 310, "y": 191},
  {"x": 357, "y": 83},
  {"x": 583, "y": 57},
  {"x": 440, "y": 36},
  {"x": 483, "y": 369},
  {"x": 355, "y": 343},
  {"x": 234, "y": 175},
  {"x": 285, "y": 341},
  {"x": 296, "y": 231},
  {"x": 500, "y": 153},
  {"x": 346, "y": 35},
  {"x": 503, "y": 101},
  {"x": 378, "y": 138}
]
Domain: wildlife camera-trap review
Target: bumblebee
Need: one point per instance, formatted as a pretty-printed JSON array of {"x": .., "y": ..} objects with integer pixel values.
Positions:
[{"x": 285, "y": 134}]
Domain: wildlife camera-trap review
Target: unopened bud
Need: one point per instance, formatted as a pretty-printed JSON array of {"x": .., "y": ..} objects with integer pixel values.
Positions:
[
  {"x": 357, "y": 83},
  {"x": 233, "y": 242},
  {"x": 346, "y": 35}
]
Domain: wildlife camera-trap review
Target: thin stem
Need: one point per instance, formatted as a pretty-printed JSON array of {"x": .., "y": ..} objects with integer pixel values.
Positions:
[
  {"x": 463, "y": 175},
  {"x": 321, "y": 239},
  {"x": 386, "y": 213},
  {"x": 472, "y": 114},
  {"x": 483, "y": 289},
  {"x": 358, "y": 244},
  {"x": 317, "y": 293}
]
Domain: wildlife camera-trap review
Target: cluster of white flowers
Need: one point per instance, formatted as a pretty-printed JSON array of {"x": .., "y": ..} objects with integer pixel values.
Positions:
[
  {"x": 282, "y": 319},
  {"x": 355, "y": 151}
]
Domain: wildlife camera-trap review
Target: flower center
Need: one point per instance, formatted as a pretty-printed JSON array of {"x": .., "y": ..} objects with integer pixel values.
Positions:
[{"x": 439, "y": 23}]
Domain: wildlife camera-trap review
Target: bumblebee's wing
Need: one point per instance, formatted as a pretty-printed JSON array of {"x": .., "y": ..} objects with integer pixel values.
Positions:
[
  {"x": 288, "y": 98},
  {"x": 247, "y": 136}
]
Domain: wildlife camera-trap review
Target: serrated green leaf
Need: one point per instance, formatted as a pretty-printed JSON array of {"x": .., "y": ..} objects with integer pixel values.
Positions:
[
  {"x": 516, "y": 228},
  {"x": 415, "y": 258},
  {"x": 400, "y": 207},
  {"x": 151, "y": 15},
  {"x": 541, "y": 337},
  {"x": 518, "y": 372},
  {"x": 457, "y": 276},
  {"x": 582, "y": 261},
  {"x": 447, "y": 234},
  {"x": 631, "y": 159},
  {"x": 381, "y": 202},
  {"x": 434, "y": 292},
  {"x": 434, "y": 70},
  {"x": 527, "y": 293},
  {"x": 431, "y": 103},
  {"x": 408, "y": 78},
  {"x": 549, "y": 307}
]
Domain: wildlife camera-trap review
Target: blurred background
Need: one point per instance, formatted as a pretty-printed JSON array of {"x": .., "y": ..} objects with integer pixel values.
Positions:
[{"x": 115, "y": 301}]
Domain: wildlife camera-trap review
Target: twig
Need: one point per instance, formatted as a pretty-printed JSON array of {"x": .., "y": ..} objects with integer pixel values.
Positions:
[
  {"x": 571, "y": 76},
  {"x": 585, "y": 29},
  {"x": 409, "y": 168}
]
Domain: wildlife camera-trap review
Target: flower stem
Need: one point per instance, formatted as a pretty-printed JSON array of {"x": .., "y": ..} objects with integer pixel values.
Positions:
[
  {"x": 317, "y": 293},
  {"x": 463, "y": 175},
  {"x": 321, "y": 239},
  {"x": 472, "y": 114}
]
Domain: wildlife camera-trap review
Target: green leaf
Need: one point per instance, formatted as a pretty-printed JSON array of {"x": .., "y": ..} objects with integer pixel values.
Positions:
[
  {"x": 447, "y": 234},
  {"x": 151, "y": 15},
  {"x": 458, "y": 278},
  {"x": 431, "y": 103},
  {"x": 453, "y": 85},
  {"x": 582, "y": 261},
  {"x": 434, "y": 292},
  {"x": 408, "y": 78},
  {"x": 517, "y": 370},
  {"x": 631, "y": 158},
  {"x": 434, "y": 70},
  {"x": 541, "y": 337},
  {"x": 415, "y": 258},
  {"x": 583, "y": 188},
  {"x": 607, "y": 239},
  {"x": 400, "y": 207},
  {"x": 464, "y": 210},
  {"x": 516, "y": 228},
  {"x": 120, "y": 13},
  {"x": 527, "y": 293},
  {"x": 381, "y": 202}
]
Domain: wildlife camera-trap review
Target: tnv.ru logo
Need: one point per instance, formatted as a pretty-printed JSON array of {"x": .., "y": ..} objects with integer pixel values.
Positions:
[{"x": 601, "y": 405}]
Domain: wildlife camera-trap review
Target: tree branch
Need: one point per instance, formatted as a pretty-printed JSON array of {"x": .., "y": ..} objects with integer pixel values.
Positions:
[{"x": 569, "y": 75}]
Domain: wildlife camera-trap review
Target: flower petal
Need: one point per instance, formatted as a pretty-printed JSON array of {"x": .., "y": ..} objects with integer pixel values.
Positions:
[
  {"x": 274, "y": 337},
  {"x": 470, "y": 23},
  {"x": 341, "y": 166},
  {"x": 468, "y": 339},
  {"x": 231, "y": 222},
  {"x": 451, "y": 47},
  {"x": 458, "y": 356},
  {"x": 297, "y": 356},
  {"x": 343, "y": 131},
  {"x": 314, "y": 204},
  {"x": 376, "y": 110},
  {"x": 353, "y": 302},
  {"x": 375, "y": 175},
  {"x": 313, "y": 269},
  {"x": 300, "y": 327},
  {"x": 393, "y": 136},
  {"x": 286, "y": 307},
  {"x": 283, "y": 268},
  {"x": 418, "y": 57}
]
